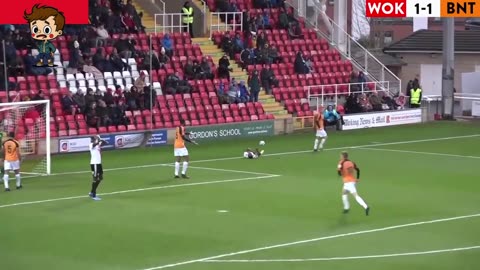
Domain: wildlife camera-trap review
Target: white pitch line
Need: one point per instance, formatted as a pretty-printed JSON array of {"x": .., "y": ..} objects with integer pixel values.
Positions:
[
  {"x": 222, "y": 170},
  {"x": 417, "y": 152},
  {"x": 277, "y": 154},
  {"x": 348, "y": 258},
  {"x": 310, "y": 241},
  {"x": 142, "y": 189}
]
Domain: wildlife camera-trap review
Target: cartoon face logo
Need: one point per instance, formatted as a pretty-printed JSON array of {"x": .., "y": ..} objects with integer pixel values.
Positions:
[
  {"x": 46, "y": 23},
  {"x": 64, "y": 146}
]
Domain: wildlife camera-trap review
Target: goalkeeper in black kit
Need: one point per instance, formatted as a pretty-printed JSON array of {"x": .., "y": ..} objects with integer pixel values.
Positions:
[{"x": 95, "y": 147}]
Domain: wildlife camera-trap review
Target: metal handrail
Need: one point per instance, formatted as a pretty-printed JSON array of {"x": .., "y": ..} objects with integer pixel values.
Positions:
[
  {"x": 171, "y": 22},
  {"x": 223, "y": 27},
  {"x": 162, "y": 4},
  {"x": 346, "y": 51},
  {"x": 379, "y": 87}
]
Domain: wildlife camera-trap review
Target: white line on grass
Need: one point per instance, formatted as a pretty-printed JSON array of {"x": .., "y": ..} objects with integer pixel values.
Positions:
[
  {"x": 310, "y": 241},
  {"x": 348, "y": 258},
  {"x": 142, "y": 189},
  {"x": 222, "y": 170},
  {"x": 418, "y": 152},
  {"x": 279, "y": 154}
]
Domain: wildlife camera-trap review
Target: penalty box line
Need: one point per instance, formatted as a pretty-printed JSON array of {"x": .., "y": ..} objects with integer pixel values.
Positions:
[
  {"x": 260, "y": 177},
  {"x": 247, "y": 251}
]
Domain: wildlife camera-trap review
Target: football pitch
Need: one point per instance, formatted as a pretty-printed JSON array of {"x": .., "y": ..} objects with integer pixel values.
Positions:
[{"x": 282, "y": 211}]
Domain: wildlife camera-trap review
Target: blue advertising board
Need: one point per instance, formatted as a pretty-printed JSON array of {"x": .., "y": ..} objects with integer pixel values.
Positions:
[{"x": 158, "y": 138}]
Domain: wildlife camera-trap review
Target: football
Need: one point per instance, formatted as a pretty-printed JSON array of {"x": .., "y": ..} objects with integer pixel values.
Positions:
[{"x": 261, "y": 143}]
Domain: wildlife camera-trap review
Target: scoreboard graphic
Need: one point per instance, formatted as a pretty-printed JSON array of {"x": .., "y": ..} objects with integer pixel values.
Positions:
[{"x": 422, "y": 8}]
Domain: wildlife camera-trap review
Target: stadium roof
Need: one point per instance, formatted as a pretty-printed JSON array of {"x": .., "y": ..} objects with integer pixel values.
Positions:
[{"x": 431, "y": 41}]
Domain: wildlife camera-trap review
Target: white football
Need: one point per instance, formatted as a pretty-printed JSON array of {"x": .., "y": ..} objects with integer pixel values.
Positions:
[{"x": 261, "y": 143}]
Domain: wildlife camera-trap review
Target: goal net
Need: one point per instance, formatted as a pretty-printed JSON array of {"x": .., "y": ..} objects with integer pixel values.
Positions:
[{"x": 29, "y": 123}]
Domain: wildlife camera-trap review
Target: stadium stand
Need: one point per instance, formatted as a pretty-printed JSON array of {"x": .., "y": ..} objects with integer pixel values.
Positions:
[{"x": 111, "y": 71}]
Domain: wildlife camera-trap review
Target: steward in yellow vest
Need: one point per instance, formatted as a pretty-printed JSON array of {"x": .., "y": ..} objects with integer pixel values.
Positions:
[{"x": 187, "y": 18}]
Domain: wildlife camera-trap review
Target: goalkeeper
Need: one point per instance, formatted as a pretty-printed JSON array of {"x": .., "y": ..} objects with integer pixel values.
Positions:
[{"x": 252, "y": 154}]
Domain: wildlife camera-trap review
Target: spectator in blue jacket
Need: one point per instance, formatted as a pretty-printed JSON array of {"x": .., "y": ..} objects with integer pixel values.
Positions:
[
  {"x": 244, "y": 94},
  {"x": 167, "y": 43},
  {"x": 332, "y": 117}
]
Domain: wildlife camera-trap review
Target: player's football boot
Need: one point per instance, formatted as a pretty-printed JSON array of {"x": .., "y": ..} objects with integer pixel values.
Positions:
[
  {"x": 97, "y": 198},
  {"x": 184, "y": 176},
  {"x": 7, "y": 189},
  {"x": 345, "y": 211},
  {"x": 176, "y": 177},
  {"x": 367, "y": 211},
  {"x": 20, "y": 187}
]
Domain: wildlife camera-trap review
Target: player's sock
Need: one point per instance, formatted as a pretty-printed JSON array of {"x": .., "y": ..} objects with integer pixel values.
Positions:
[
  {"x": 346, "y": 204},
  {"x": 184, "y": 168},
  {"x": 177, "y": 168},
  {"x": 94, "y": 188},
  {"x": 315, "y": 146},
  {"x": 322, "y": 142},
  {"x": 361, "y": 201},
  {"x": 5, "y": 180},
  {"x": 19, "y": 180}
]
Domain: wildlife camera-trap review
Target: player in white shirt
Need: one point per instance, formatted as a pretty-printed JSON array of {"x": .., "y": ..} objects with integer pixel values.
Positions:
[
  {"x": 252, "y": 154},
  {"x": 96, "y": 164}
]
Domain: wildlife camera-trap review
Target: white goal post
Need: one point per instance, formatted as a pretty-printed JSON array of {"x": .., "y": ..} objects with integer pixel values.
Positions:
[{"x": 30, "y": 123}]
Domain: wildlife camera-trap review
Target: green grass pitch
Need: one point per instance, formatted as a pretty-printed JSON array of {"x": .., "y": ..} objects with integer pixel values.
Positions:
[{"x": 282, "y": 211}]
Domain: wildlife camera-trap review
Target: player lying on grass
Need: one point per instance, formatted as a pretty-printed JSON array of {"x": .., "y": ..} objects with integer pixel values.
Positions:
[{"x": 252, "y": 154}]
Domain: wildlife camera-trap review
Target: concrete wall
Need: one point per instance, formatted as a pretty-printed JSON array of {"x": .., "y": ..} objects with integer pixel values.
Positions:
[{"x": 463, "y": 63}]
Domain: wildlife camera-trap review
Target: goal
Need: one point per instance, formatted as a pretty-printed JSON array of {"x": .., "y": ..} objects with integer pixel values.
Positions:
[{"x": 30, "y": 123}]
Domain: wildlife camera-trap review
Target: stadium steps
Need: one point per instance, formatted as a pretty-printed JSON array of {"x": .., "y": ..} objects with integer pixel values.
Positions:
[
  {"x": 270, "y": 105},
  {"x": 148, "y": 19}
]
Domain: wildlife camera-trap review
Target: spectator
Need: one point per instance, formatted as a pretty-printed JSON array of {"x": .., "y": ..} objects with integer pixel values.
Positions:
[
  {"x": 90, "y": 98},
  {"x": 264, "y": 55},
  {"x": 117, "y": 63},
  {"x": 238, "y": 44},
  {"x": 268, "y": 79},
  {"x": 295, "y": 31},
  {"x": 261, "y": 41},
  {"x": 188, "y": 70},
  {"x": 129, "y": 23},
  {"x": 248, "y": 57},
  {"x": 376, "y": 102},
  {"x": 102, "y": 113},
  {"x": 332, "y": 118},
  {"x": 31, "y": 69},
  {"x": 125, "y": 48},
  {"x": 401, "y": 100},
  {"x": 283, "y": 22},
  {"x": 150, "y": 97},
  {"x": 140, "y": 98},
  {"x": 118, "y": 94},
  {"x": 222, "y": 96},
  {"x": 352, "y": 105},
  {"x": 273, "y": 55},
  {"x": 39, "y": 96},
  {"x": 92, "y": 117},
  {"x": 114, "y": 23},
  {"x": 100, "y": 62},
  {"x": 164, "y": 59},
  {"x": 108, "y": 97},
  {"x": 244, "y": 94},
  {"x": 154, "y": 60},
  {"x": 102, "y": 36},
  {"x": 364, "y": 103},
  {"x": 224, "y": 67},
  {"x": 140, "y": 81},
  {"x": 79, "y": 99},
  {"x": 254, "y": 84},
  {"x": 233, "y": 92},
  {"x": 309, "y": 65},
  {"x": 227, "y": 45},
  {"x": 363, "y": 81},
  {"x": 167, "y": 43},
  {"x": 187, "y": 18},
  {"x": 266, "y": 20},
  {"x": 409, "y": 87},
  {"x": 131, "y": 98},
  {"x": 76, "y": 60},
  {"x": 197, "y": 71},
  {"x": 260, "y": 22},
  {"x": 117, "y": 114},
  {"x": 300, "y": 65},
  {"x": 130, "y": 8},
  {"x": 206, "y": 69},
  {"x": 68, "y": 104},
  {"x": 89, "y": 68},
  {"x": 171, "y": 83},
  {"x": 98, "y": 95}
]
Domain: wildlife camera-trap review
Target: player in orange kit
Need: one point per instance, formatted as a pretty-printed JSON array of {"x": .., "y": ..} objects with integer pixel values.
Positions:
[
  {"x": 321, "y": 134},
  {"x": 350, "y": 174},
  {"x": 180, "y": 150},
  {"x": 12, "y": 157}
]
